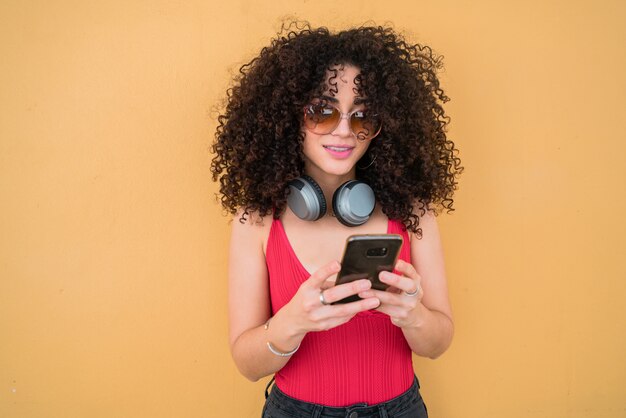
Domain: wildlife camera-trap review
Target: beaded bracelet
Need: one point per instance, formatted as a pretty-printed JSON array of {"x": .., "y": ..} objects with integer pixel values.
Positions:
[{"x": 274, "y": 350}]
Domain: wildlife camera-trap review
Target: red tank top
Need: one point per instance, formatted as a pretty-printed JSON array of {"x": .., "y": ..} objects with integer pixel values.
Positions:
[{"x": 366, "y": 360}]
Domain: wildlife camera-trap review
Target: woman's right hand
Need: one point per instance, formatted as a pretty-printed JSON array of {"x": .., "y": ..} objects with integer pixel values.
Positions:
[{"x": 306, "y": 312}]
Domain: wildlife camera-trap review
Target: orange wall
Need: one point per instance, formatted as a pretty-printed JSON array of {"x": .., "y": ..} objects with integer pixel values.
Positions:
[{"x": 113, "y": 250}]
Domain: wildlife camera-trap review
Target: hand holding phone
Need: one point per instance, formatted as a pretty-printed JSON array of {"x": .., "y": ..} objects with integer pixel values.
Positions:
[{"x": 365, "y": 256}]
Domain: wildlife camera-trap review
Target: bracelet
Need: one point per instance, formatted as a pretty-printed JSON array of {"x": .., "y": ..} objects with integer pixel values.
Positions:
[
  {"x": 274, "y": 350},
  {"x": 278, "y": 353}
]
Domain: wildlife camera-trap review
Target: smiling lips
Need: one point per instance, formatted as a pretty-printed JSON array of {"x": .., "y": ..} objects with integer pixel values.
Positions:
[{"x": 339, "y": 151}]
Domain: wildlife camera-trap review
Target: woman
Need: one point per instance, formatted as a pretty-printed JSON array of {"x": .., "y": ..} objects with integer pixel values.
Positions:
[{"x": 311, "y": 112}]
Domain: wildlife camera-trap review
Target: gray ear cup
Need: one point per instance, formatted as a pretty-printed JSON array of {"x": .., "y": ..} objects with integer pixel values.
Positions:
[
  {"x": 306, "y": 199},
  {"x": 353, "y": 203}
]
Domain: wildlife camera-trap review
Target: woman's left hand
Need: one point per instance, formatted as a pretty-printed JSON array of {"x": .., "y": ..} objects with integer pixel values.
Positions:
[{"x": 402, "y": 300}]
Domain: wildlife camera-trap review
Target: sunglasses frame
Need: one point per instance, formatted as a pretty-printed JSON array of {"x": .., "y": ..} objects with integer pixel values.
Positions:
[{"x": 341, "y": 117}]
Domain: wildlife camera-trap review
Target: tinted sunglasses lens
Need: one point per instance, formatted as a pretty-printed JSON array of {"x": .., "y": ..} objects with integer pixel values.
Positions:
[
  {"x": 320, "y": 119},
  {"x": 365, "y": 125}
]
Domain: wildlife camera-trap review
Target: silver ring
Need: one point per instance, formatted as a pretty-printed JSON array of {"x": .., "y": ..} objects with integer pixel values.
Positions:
[
  {"x": 323, "y": 299},
  {"x": 413, "y": 293}
]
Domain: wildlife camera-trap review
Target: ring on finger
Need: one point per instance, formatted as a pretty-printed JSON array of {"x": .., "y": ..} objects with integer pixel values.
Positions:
[
  {"x": 417, "y": 290},
  {"x": 323, "y": 299}
]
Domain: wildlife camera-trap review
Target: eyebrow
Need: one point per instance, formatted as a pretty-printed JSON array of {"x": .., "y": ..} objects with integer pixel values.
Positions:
[{"x": 357, "y": 100}]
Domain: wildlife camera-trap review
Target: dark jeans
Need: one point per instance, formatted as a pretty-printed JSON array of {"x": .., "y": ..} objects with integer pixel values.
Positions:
[{"x": 407, "y": 405}]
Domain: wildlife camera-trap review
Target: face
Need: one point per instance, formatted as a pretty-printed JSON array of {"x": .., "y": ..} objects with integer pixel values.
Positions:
[{"x": 335, "y": 154}]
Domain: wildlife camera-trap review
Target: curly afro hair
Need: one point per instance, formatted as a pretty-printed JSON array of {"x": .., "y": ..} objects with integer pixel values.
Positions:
[{"x": 258, "y": 145}]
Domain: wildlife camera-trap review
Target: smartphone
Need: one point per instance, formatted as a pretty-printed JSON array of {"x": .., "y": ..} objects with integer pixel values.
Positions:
[{"x": 365, "y": 256}]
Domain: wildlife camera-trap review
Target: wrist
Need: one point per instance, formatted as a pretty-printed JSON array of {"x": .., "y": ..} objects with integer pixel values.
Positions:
[
  {"x": 282, "y": 333},
  {"x": 419, "y": 316}
]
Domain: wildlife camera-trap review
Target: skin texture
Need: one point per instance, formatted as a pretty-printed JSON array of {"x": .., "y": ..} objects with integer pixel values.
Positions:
[{"x": 425, "y": 319}]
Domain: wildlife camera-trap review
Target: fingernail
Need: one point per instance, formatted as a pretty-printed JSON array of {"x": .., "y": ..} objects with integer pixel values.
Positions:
[
  {"x": 373, "y": 303},
  {"x": 365, "y": 284}
]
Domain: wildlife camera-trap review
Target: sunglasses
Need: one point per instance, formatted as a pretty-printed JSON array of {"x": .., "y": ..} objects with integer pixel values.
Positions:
[{"x": 323, "y": 118}]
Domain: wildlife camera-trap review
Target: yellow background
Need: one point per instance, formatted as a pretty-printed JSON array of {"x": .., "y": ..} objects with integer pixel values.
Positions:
[{"x": 113, "y": 249}]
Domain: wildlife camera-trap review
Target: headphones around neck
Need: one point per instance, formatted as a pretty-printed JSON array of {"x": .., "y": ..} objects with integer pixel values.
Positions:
[{"x": 353, "y": 201}]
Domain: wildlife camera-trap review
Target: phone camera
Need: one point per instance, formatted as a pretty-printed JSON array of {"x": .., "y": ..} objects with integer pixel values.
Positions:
[{"x": 377, "y": 252}]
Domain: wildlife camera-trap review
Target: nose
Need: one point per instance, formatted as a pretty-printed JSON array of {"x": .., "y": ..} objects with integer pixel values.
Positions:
[{"x": 343, "y": 128}]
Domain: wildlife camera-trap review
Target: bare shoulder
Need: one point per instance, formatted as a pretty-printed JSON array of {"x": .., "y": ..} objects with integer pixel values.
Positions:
[
  {"x": 251, "y": 228},
  {"x": 428, "y": 225},
  {"x": 427, "y": 250}
]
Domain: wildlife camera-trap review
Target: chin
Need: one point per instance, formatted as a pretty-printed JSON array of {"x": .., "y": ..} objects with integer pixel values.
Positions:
[{"x": 336, "y": 169}]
